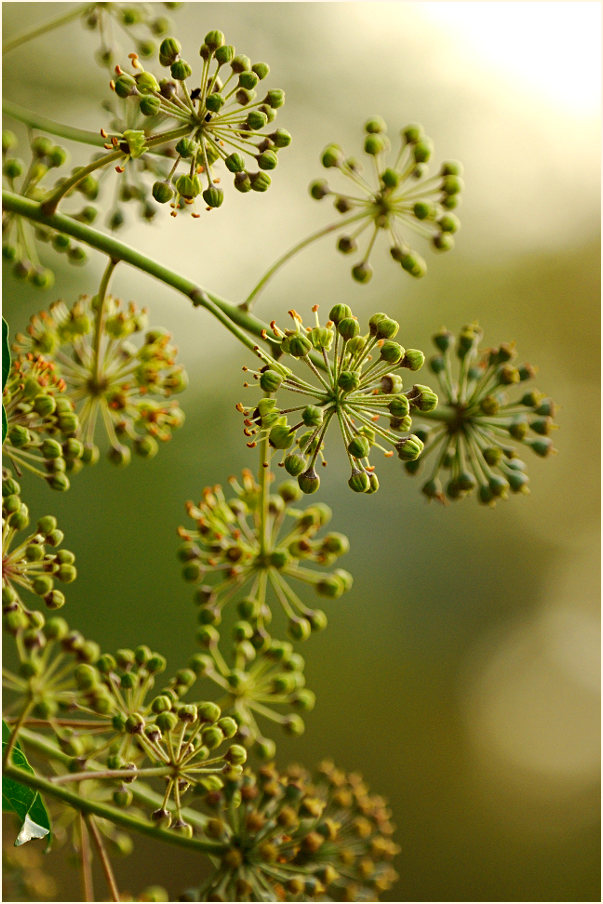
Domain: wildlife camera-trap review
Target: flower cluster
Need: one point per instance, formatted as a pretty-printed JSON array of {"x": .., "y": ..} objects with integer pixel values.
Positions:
[
  {"x": 27, "y": 564},
  {"x": 135, "y": 19},
  {"x": 107, "y": 376},
  {"x": 220, "y": 120},
  {"x": 402, "y": 198},
  {"x": 19, "y": 236},
  {"x": 235, "y": 543},
  {"x": 49, "y": 655},
  {"x": 41, "y": 420},
  {"x": 295, "y": 837},
  {"x": 476, "y": 430},
  {"x": 257, "y": 682},
  {"x": 358, "y": 385}
]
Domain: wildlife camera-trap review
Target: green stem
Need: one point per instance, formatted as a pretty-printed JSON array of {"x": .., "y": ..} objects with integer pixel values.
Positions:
[
  {"x": 34, "y": 121},
  {"x": 48, "y": 26},
  {"x": 113, "y": 814},
  {"x": 264, "y": 478},
  {"x": 104, "y": 859},
  {"x": 246, "y": 305},
  {"x": 86, "y": 861},
  {"x": 100, "y": 315},
  {"x": 231, "y": 316},
  {"x": 14, "y": 735}
]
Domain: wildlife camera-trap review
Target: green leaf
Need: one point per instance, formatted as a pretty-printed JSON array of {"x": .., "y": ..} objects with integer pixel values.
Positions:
[
  {"x": 24, "y": 801},
  {"x": 5, "y": 372}
]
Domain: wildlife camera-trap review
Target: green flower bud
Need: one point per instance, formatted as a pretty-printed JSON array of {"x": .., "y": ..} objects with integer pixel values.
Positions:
[
  {"x": 359, "y": 447},
  {"x": 213, "y": 196},
  {"x": 188, "y": 186},
  {"x": 412, "y": 133},
  {"x": 294, "y": 464},
  {"x": 409, "y": 448},
  {"x": 214, "y": 102},
  {"x": 267, "y": 160},
  {"x": 281, "y": 138},
  {"x": 348, "y": 328},
  {"x": 298, "y": 345},
  {"x": 332, "y": 156},
  {"x": 390, "y": 178},
  {"x": 414, "y": 264},
  {"x": 240, "y": 63},
  {"x": 422, "y": 397},
  {"x": 42, "y": 584},
  {"x": 209, "y": 712},
  {"x": 270, "y": 381},
  {"x": 236, "y": 755},
  {"x": 399, "y": 407},
  {"x": 168, "y": 51},
  {"x": 275, "y": 98},
  {"x": 260, "y": 181},
  {"x": 309, "y": 481},
  {"x": 362, "y": 272},
  {"x": 162, "y": 192},
  {"x": 187, "y": 148},
  {"x": 280, "y": 437},
  {"x": 359, "y": 481},
  {"x": 392, "y": 352},
  {"x": 348, "y": 380},
  {"x": 125, "y": 85},
  {"x": 180, "y": 70},
  {"x": 413, "y": 359},
  {"x": 235, "y": 163},
  {"x": 422, "y": 150},
  {"x": 147, "y": 83},
  {"x": 242, "y": 182},
  {"x": 224, "y": 54},
  {"x": 299, "y": 628},
  {"x": 452, "y": 185},
  {"x": 214, "y": 39},
  {"x": 374, "y": 144}
]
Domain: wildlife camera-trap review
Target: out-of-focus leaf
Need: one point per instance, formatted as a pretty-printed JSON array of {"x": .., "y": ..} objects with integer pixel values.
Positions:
[{"x": 5, "y": 372}]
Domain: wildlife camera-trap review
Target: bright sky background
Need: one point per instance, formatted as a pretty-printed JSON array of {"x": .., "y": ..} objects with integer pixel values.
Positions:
[{"x": 554, "y": 47}]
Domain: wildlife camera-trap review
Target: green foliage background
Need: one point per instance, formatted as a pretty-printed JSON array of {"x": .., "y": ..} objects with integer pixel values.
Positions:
[{"x": 460, "y": 675}]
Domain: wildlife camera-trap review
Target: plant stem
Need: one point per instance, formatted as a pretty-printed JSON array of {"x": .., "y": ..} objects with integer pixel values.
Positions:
[
  {"x": 104, "y": 859},
  {"x": 15, "y": 732},
  {"x": 113, "y": 814},
  {"x": 48, "y": 26},
  {"x": 100, "y": 315},
  {"x": 34, "y": 121},
  {"x": 264, "y": 478},
  {"x": 141, "y": 792},
  {"x": 231, "y": 316},
  {"x": 86, "y": 861},
  {"x": 246, "y": 305}
]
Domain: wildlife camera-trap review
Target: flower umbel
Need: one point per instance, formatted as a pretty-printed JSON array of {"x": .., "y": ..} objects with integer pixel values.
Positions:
[
  {"x": 396, "y": 197},
  {"x": 42, "y": 424},
  {"x": 477, "y": 431},
  {"x": 359, "y": 385},
  {"x": 295, "y": 837},
  {"x": 107, "y": 377},
  {"x": 220, "y": 119},
  {"x": 257, "y": 683},
  {"x": 27, "y": 564},
  {"x": 224, "y": 554}
]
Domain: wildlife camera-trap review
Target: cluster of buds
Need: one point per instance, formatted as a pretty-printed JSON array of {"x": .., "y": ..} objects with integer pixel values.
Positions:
[
  {"x": 220, "y": 120},
  {"x": 402, "y": 199},
  {"x": 19, "y": 236},
  {"x": 476, "y": 430},
  {"x": 42, "y": 426},
  {"x": 107, "y": 376},
  {"x": 296, "y": 837},
  {"x": 356, "y": 386},
  {"x": 139, "y": 20},
  {"x": 229, "y": 550},
  {"x": 27, "y": 563},
  {"x": 44, "y": 683},
  {"x": 256, "y": 684}
]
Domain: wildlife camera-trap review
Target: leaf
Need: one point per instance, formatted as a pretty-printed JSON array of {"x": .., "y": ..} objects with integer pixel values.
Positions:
[
  {"x": 24, "y": 801},
  {"x": 5, "y": 372}
]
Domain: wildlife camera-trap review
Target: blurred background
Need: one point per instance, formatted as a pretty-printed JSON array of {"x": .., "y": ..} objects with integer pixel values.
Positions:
[{"x": 461, "y": 673}]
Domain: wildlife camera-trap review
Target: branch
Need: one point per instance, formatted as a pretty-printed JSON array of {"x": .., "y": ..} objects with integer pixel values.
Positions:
[
  {"x": 231, "y": 316},
  {"x": 114, "y": 815}
]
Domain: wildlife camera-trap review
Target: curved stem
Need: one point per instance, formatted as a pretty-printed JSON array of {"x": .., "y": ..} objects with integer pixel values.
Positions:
[
  {"x": 113, "y": 814},
  {"x": 246, "y": 305},
  {"x": 231, "y": 316},
  {"x": 104, "y": 859},
  {"x": 48, "y": 26},
  {"x": 35, "y": 121},
  {"x": 264, "y": 478},
  {"x": 100, "y": 315}
]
